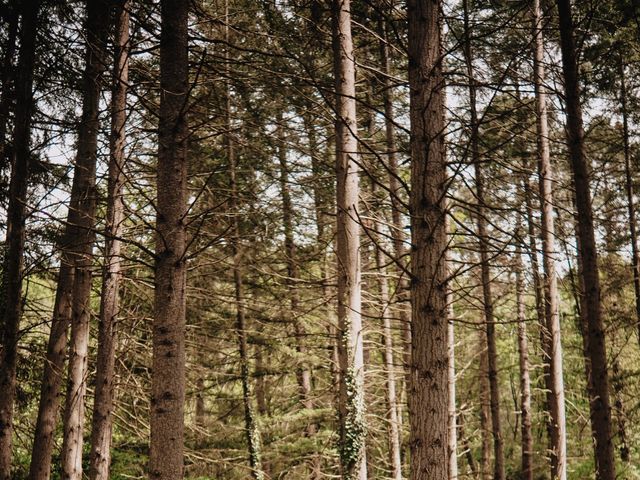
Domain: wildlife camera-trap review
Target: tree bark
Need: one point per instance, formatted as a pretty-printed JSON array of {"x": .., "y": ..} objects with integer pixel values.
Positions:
[
  {"x": 350, "y": 341},
  {"x": 11, "y": 306},
  {"x": 553, "y": 342},
  {"x": 428, "y": 393},
  {"x": 483, "y": 244},
  {"x": 74, "y": 278},
  {"x": 591, "y": 309},
  {"x": 100, "y": 456},
  {"x": 168, "y": 367},
  {"x": 7, "y": 77}
]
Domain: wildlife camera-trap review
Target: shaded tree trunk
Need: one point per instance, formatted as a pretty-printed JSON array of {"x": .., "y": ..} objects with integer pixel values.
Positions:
[
  {"x": 350, "y": 335},
  {"x": 7, "y": 77},
  {"x": 428, "y": 393},
  {"x": 100, "y": 456},
  {"x": 553, "y": 342},
  {"x": 168, "y": 374},
  {"x": 12, "y": 274},
  {"x": 591, "y": 310}
]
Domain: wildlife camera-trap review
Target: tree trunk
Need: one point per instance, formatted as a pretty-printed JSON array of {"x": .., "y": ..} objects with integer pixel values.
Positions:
[
  {"x": 595, "y": 351},
  {"x": 350, "y": 341},
  {"x": 483, "y": 244},
  {"x": 453, "y": 417},
  {"x": 168, "y": 367},
  {"x": 525, "y": 383},
  {"x": 551, "y": 297},
  {"x": 633, "y": 229},
  {"x": 11, "y": 307},
  {"x": 7, "y": 77},
  {"x": 428, "y": 393},
  {"x": 74, "y": 279},
  {"x": 100, "y": 456}
]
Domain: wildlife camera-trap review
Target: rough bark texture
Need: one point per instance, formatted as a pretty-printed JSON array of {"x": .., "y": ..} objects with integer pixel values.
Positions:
[
  {"x": 525, "y": 381},
  {"x": 74, "y": 278},
  {"x": 168, "y": 374},
  {"x": 97, "y": 29},
  {"x": 485, "y": 274},
  {"x": 100, "y": 456},
  {"x": 428, "y": 393},
  {"x": 11, "y": 306},
  {"x": 7, "y": 77},
  {"x": 591, "y": 309},
  {"x": 350, "y": 341},
  {"x": 552, "y": 343}
]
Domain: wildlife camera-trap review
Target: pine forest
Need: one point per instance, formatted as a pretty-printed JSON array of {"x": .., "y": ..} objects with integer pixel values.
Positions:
[{"x": 319, "y": 239}]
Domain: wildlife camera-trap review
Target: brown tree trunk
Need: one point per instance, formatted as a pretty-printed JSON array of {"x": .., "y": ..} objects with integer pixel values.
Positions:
[
  {"x": 553, "y": 342},
  {"x": 100, "y": 455},
  {"x": 11, "y": 306},
  {"x": 7, "y": 77},
  {"x": 428, "y": 393},
  {"x": 483, "y": 243},
  {"x": 350, "y": 341},
  {"x": 525, "y": 382},
  {"x": 633, "y": 229},
  {"x": 168, "y": 367},
  {"x": 74, "y": 279},
  {"x": 591, "y": 310}
]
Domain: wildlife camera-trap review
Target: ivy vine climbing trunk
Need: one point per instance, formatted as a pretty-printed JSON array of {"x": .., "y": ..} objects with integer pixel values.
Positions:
[
  {"x": 428, "y": 392},
  {"x": 101, "y": 432},
  {"x": 166, "y": 457},
  {"x": 12, "y": 272},
  {"x": 591, "y": 308}
]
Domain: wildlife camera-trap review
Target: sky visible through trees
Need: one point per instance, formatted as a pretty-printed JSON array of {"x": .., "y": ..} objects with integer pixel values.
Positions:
[{"x": 319, "y": 239}]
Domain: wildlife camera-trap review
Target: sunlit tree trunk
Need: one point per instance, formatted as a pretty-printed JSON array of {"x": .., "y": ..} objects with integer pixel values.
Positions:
[{"x": 350, "y": 341}]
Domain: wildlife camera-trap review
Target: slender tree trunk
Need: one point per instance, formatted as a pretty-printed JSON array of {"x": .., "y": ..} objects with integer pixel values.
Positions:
[
  {"x": 492, "y": 354},
  {"x": 633, "y": 229},
  {"x": 11, "y": 306},
  {"x": 428, "y": 393},
  {"x": 595, "y": 351},
  {"x": 453, "y": 417},
  {"x": 525, "y": 383},
  {"x": 304, "y": 372},
  {"x": 100, "y": 456},
  {"x": 350, "y": 341},
  {"x": 74, "y": 279},
  {"x": 551, "y": 297},
  {"x": 168, "y": 374},
  {"x": 7, "y": 77}
]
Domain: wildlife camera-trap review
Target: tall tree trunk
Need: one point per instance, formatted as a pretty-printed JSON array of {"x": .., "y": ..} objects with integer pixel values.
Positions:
[
  {"x": 633, "y": 229},
  {"x": 74, "y": 279},
  {"x": 525, "y": 383},
  {"x": 350, "y": 341},
  {"x": 485, "y": 410},
  {"x": 11, "y": 306},
  {"x": 100, "y": 456},
  {"x": 6, "y": 76},
  {"x": 591, "y": 310},
  {"x": 168, "y": 374},
  {"x": 453, "y": 416},
  {"x": 428, "y": 393},
  {"x": 483, "y": 244},
  {"x": 551, "y": 297},
  {"x": 303, "y": 372}
]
